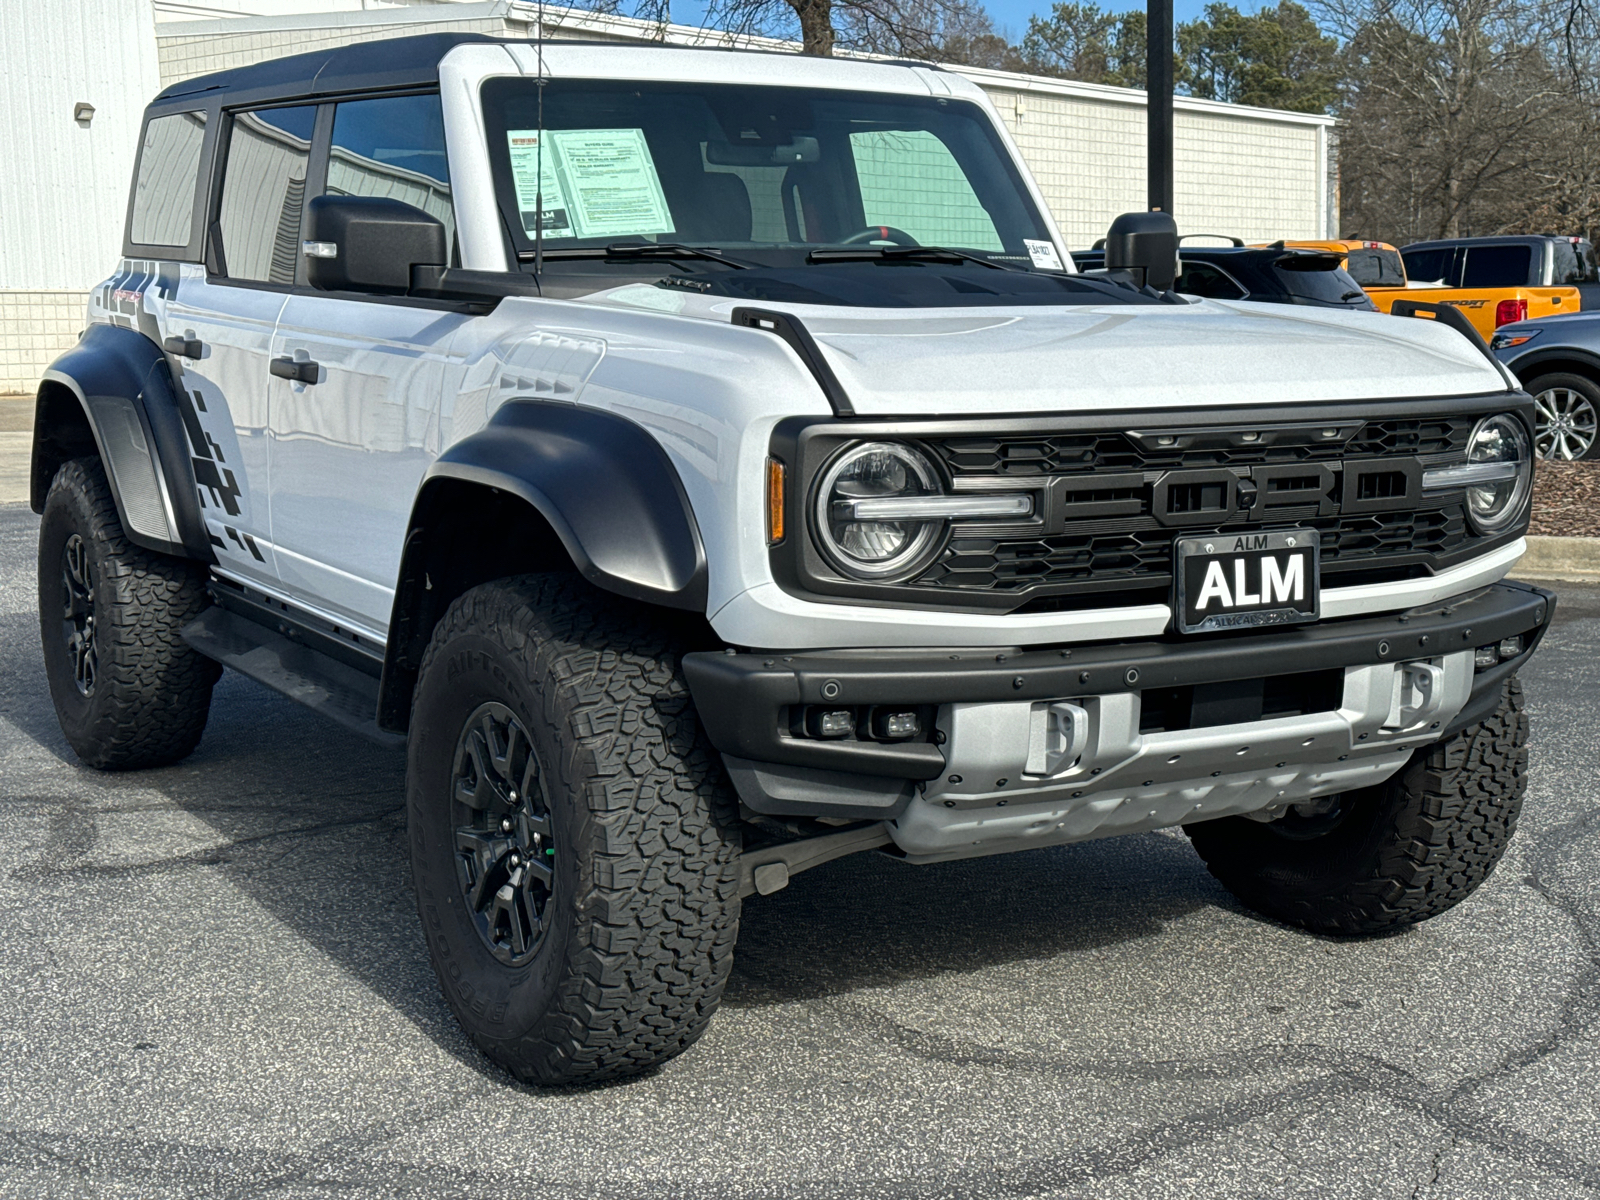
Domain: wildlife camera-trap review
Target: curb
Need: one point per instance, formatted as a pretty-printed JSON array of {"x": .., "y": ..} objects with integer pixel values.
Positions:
[{"x": 1574, "y": 559}]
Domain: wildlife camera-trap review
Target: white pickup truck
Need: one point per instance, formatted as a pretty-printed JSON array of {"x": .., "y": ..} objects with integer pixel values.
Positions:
[{"x": 708, "y": 464}]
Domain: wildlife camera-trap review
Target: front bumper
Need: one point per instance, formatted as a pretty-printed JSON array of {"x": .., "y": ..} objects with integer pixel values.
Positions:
[{"x": 968, "y": 790}]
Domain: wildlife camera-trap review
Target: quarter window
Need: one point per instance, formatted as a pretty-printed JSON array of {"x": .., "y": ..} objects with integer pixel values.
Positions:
[
  {"x": 264, "y": 192},
  {"x": 169, "y": 168},
  {"x": 394, "y": 147}
]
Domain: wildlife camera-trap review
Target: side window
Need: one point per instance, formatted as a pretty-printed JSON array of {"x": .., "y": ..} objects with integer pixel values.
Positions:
[
  {"x": 1497, "y": 266},
  {"x": 1202, "y": 279},
  {"x": 169, "y": 169},
  {"x": 1568, "y": 269},
  {"x": 911, "y": 181},
  {"x": 393, "y": 147},
  {"x": 264, "y": 192},
  {"x": 1431, "y": 266}
]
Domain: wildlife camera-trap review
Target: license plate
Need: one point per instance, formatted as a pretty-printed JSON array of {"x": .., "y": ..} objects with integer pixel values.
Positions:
[{"x": 1243, "y": 580}]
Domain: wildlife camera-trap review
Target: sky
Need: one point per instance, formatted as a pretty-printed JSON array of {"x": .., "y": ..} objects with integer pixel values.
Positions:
[{"x": 1010, "y": 16}]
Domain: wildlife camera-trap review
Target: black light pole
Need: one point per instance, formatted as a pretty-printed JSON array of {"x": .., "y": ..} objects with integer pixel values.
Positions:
[{"x": 1158, "y": 76}]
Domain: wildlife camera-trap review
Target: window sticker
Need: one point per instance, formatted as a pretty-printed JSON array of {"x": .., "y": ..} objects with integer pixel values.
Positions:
[
  {"x": 528, "y": 177},
  {"x": 1043, "y": 254},
  {"x": 596, "y": 183}
]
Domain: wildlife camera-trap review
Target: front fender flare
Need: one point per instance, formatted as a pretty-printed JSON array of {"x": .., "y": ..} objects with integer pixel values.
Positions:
[
  {"x": 124, "y": 385},
  {"x": 607, "y": 488}
]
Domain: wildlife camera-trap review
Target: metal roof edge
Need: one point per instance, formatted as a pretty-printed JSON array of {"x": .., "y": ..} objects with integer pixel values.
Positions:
[
  {"x": 425, "y": 14},
  {"x": 1105, "y": 93}
]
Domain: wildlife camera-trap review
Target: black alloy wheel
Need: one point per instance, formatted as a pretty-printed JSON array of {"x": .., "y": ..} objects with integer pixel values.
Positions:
[
  {"x": 505, "y": 854},
  {"x": 77, "y": 625}
]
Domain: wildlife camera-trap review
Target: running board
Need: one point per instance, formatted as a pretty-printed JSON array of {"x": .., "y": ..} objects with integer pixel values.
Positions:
[{"x": 320, "y": 682}]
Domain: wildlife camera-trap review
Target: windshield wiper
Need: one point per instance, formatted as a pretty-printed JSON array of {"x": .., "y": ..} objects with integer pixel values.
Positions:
[
  {"x": 642, "y": 250},
  {"x": 913, "y": 253}
]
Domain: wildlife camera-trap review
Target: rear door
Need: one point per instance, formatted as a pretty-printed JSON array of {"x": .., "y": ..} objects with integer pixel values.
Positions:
[
  {"x": 349, "y": 451},
  {"x": 228, "y": 315}
]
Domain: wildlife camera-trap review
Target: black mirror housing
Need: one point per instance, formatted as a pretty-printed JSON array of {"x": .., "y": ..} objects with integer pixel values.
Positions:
[
  {"x": 370, "y": 243},
  {"x": 1145, "y": 244}
]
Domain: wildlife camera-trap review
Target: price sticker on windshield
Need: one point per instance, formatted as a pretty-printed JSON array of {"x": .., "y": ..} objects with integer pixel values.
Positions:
[{"x": 1043, "y": 254}]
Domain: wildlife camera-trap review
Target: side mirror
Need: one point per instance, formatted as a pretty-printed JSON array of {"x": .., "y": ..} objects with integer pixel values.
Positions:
[
  {"x": 370, "y": 243},
  {"x": 1146, "y": 245}
]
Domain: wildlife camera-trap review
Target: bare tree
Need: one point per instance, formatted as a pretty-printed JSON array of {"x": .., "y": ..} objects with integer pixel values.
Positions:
[
  {"x": 914, "y": 28},
  {"x": 1452, "y": 111}
]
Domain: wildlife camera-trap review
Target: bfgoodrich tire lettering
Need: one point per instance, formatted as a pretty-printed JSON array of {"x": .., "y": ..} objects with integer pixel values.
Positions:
[
  {"x": 1398, "y": 853},
  {"x": 640, "y": 908},
  {"x": 128, "y": 690}
]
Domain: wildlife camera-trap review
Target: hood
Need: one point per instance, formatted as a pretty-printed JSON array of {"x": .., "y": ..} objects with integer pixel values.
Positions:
[{"x": 939, "y": 362}]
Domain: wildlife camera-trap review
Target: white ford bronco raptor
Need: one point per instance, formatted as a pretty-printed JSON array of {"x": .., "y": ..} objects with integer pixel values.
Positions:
[{"x": 708, "y": 464}]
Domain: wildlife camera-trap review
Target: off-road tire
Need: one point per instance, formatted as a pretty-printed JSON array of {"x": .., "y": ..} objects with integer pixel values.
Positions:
[
  {"x": 1406, "y": 850},
  {"x": 643, "y": 901},
  {"x": 151, "y": 694}
]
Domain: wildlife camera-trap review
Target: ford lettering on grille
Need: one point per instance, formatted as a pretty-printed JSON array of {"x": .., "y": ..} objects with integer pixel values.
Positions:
[{"x": 1238, "y": 580}]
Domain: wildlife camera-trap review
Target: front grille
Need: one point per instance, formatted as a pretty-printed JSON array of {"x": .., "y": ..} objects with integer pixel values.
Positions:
[
  {"x": 1115, "y": 527},
  {"x": 1062, "y": 454},
  {"x": 1143, "y": 556}
]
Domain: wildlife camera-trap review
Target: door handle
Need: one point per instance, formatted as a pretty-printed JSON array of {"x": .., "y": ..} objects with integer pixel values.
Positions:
[
  {"x": 183, "y": 347},
  {"x": 299, "y": 371}
]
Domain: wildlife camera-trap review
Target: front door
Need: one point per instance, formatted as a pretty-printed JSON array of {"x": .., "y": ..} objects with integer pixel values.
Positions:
[{"x": 349, "y": 451}]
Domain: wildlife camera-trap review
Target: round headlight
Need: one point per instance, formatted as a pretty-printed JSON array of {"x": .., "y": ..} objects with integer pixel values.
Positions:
[
  {"x": 858, "y": 544},
  {"x": 1494, "y": 503}
]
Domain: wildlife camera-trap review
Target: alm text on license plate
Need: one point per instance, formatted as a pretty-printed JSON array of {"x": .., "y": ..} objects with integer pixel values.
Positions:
[{"x": 1241, "y": 580}]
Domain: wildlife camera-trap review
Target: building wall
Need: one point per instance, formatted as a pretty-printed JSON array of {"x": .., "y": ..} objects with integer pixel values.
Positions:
[
  {"x": 64, "y": 189},
  {"x": 36, "y": 326},
  {"x": 183, "y": 54},
  {"x": 1249, "y": 173}
]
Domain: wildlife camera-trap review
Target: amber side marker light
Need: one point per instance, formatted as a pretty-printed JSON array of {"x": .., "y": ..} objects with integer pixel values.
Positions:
[{"x": 775, "y": 475}]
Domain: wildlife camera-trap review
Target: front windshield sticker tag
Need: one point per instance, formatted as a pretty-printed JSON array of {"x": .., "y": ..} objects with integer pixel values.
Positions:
[
  {"x": 1043, "y": 254},
  {"x": 596, "y": 183},
  {"x": 527, "y": 176}
]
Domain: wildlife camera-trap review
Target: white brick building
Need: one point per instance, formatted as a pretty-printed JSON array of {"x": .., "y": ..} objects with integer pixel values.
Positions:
[{"x": 1250, "y": 172}]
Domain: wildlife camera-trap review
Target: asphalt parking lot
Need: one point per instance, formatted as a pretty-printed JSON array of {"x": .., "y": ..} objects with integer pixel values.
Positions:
[{"x": 212, "y": 985}]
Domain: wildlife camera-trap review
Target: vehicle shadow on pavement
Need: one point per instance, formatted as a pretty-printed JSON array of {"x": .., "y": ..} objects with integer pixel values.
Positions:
[{"x": 874, "y": 921}]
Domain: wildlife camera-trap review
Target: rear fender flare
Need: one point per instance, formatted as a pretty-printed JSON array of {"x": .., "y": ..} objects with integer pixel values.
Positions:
[{"x": 124, "y": 388}]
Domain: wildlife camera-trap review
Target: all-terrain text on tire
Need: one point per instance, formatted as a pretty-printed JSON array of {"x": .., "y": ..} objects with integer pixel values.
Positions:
[{"x": 811, "y": 503}]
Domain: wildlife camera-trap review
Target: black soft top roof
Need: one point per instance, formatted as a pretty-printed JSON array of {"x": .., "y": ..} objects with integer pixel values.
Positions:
[{"x": 388, "y": 63}]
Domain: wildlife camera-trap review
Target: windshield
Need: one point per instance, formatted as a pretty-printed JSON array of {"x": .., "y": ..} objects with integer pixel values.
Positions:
[
  {"x": 1311, "y": 278},
  {"x": 1376, "y": 268},
  {"x": 741, "y": 168}
]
